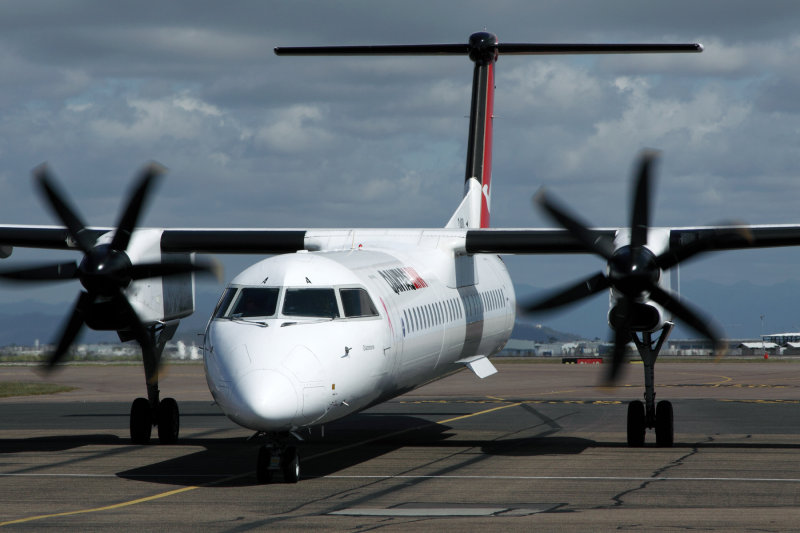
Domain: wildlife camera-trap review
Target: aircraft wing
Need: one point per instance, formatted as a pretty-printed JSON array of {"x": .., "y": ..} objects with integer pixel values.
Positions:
[
  {"x": 497, "y": 241},
  {"x": 204, "y": 240},
  {"x": 554, "y": 241}
]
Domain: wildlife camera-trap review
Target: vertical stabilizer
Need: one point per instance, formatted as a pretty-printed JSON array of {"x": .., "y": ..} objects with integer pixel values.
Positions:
[
  {"x": 483, "y": 52},
  {"x": 483, "y": 49},
  {"x": 474, "y": 210},
  {"x": 468, "y": 214}
]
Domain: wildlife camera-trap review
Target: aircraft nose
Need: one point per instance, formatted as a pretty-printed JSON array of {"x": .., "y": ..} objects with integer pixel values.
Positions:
[{"x": 264, "y": 400}]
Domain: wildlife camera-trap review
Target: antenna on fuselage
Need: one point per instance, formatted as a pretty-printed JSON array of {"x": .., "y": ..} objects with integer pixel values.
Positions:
[{"x": 483, "y": 49}]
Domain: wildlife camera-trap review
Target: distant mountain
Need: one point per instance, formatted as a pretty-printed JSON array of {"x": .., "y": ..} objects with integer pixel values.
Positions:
[
  {"x": 586, "y": 319},
  {"x": 737, "y": 308},
  {"x": 25, "y": 322},
  {"x": 537, "y": 332}
]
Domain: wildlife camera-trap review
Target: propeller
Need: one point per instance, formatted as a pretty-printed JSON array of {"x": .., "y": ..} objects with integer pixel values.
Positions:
[
  {"x": 106, "y": 270},
  {"x": 633, "y": 271}
]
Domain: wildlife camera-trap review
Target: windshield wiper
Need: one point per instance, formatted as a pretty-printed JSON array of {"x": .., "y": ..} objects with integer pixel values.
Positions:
[{"x": 239, "y": 318}]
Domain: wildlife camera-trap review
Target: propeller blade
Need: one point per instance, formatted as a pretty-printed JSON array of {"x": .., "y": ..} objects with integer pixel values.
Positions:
[
  {"x": 129, "y": 218},
  {"x": 71, "y": 328},
  {"x": 640, "y": 215},
  {"x": 690, "y": 317},
  {"x": 706, "y": 242},
  {"x": 582, "y": 289},
  {"x": 66, "y": 213},
  {"x": 154, "y": 270},
  {"x": 55, "y": 272},
  {"x": 591, "y": 241}
]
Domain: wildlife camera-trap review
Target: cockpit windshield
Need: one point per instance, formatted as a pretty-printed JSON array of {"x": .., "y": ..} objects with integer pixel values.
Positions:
[
  {"x": 311, "y": 303},
  {"x": 254, "y": 302},
  {"x": 262, "y": 302},
  {"x": 224, "y": 302},
  {"x": 357, "y": 303}
]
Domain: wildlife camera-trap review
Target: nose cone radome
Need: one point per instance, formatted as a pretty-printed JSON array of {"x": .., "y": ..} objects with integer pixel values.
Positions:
[{"x": 263, "y": 400}]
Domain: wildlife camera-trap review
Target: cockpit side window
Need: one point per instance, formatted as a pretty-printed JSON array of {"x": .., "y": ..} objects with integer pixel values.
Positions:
[
  {"x": 311, "y": 303},
  {"x": 224, "y": 302},
  {"x": 357, "y": 303},
  {"x": 255, "y": 301}
]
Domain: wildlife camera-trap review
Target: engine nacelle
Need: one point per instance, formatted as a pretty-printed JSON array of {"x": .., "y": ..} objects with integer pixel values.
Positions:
[
  {"x": 644, "y": 314},
  {"x": 156, "y": 299},
  {"x": 641, "y": 317}
]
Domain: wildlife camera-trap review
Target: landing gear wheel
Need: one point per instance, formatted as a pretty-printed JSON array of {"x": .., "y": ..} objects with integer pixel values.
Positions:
[
  {"x": 141, "y": 421},
  {"x": 636, "y": 424},
  {"x": 263, "y": 473},
  {"x": 665, "y": 433},
  {"x": 168, "y": 421},
  {"x": 290, "y": 465}
]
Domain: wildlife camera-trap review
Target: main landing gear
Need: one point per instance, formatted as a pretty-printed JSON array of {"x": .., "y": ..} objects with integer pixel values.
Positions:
[
  {"x": 151, "y": 411},
  {"x": 644, "y": 415},
  {"x": 279, "y": 454}
]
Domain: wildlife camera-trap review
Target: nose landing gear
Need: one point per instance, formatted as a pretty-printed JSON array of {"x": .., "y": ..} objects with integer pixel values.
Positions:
[{"x": 278, "y": 455}]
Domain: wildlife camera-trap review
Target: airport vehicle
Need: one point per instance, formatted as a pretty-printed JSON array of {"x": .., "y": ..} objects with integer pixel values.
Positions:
[{"x": 341, "y": 319}]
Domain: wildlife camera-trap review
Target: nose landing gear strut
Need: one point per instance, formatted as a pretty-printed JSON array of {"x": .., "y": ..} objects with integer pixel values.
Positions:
[{"x": 649, "y": 415}]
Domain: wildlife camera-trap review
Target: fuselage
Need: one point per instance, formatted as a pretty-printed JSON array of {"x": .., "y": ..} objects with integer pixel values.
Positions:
[{"x": 302, "y": 339}]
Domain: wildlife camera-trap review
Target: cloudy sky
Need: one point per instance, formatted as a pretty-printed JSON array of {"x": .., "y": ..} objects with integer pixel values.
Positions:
[{"x": 251, "y": 139}]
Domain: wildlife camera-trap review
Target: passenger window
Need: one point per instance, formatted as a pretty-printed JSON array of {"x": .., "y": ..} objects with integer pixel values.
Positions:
[
  {"x": 224, "y": 302},
  {"x": 252, "y": 301},
  {"x": 311, "y": 303},
  {"x": 357, "y": 303}
]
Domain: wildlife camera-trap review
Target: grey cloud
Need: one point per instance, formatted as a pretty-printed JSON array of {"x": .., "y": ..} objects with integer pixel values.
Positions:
[{"x": 98, "y": 88}]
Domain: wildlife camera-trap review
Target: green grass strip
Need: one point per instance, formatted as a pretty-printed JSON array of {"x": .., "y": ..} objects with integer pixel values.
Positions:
[{"x": 12, "y": 388}]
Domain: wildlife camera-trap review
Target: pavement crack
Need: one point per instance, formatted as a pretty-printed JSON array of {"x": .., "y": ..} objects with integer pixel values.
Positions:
[{"x": 657, "y": 475}]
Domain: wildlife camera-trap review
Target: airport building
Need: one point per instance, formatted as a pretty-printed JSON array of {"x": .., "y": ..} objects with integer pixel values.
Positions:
[{"x": 776, "y": 344}]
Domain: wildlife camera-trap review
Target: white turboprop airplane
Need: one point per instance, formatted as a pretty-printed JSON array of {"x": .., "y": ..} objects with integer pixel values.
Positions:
[{"x": 342, "y": 319}]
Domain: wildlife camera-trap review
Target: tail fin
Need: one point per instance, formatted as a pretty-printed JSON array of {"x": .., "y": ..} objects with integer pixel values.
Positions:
[
  {"x": 470, "y": 212},
  {"x": 474, "y": 210},
  {"x": 483, "y": 49}
]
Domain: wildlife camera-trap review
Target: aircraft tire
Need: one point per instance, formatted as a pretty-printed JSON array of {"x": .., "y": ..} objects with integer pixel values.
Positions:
[
  {"x": 263, "y": 473},
  {"x": 168, "y": 421},
  {"x": 290, "y": 465},
  {"x": 665, "y": 431},
  {"x": 636, "y": 424},
  {"x": 141, "y": 421}
]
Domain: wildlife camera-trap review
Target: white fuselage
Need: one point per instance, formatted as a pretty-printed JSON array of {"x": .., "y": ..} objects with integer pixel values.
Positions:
[{"x": 339, "y": 331}]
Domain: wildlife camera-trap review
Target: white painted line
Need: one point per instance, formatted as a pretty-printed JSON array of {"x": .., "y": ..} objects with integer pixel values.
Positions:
[
  {"x": 158, "y": 476},
  {"x": 576, "y": 478},
  {"x": 455, "y": 477},
  {"x": 443, "y": 511}
]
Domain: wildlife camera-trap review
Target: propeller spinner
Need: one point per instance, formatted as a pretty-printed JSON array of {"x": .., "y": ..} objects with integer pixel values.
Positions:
[
  {"x": 633, "y": 270},
  {"x": 105, "y": 271}
]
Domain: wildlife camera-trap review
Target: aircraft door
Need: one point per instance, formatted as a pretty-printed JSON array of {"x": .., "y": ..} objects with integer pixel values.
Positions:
[{"x": 393, "y": 330}]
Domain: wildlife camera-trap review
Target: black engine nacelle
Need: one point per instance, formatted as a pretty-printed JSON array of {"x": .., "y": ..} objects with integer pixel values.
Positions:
[{"x": 641, "y": 317}]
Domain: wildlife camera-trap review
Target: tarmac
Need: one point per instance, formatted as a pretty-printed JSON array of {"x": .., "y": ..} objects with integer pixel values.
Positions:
[{"x": 536, "y": 447}]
